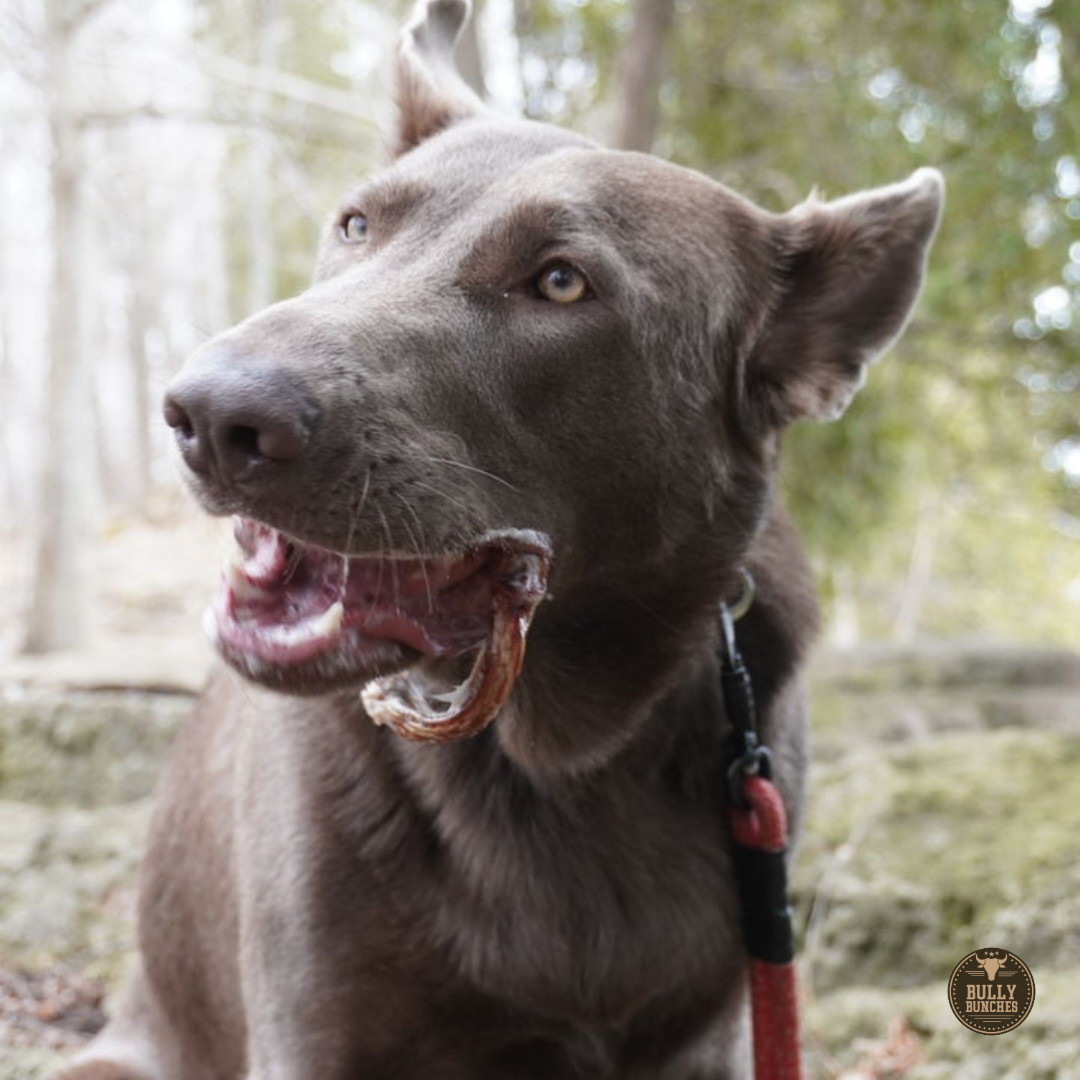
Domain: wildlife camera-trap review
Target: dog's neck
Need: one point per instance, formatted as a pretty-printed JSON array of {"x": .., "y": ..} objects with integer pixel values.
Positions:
[{"x": 604, "y": 663}]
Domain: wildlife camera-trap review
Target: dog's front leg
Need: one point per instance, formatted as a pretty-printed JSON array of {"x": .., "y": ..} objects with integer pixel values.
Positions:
[
  {"x": 290, "y": 953},
  {"x": 290, "y": 1027},
  {"x": 324, "y": 990},
  {"x": 319, "y": 1007}
]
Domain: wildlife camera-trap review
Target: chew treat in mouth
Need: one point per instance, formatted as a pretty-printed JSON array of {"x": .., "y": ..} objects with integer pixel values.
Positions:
[
  {"x": 305, "y": 619},
  {"x": 400, "y": 700}
]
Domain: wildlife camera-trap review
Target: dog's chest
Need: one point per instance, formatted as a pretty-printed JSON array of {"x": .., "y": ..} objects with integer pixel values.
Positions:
[{"x": 591, "y": 905}]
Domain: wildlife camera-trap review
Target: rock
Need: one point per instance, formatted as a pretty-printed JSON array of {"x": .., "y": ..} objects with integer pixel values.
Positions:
[
  {"x": 82, "y": 747},
  {"x": 949, "y": 665},
  {"x": 890, "y": 694},
  {"x": 67, "y": 886},
  {"x": 26, "y": 1063},
  {"x": 916, "y": 854},
  {"x": 1046, "y": 1046}
]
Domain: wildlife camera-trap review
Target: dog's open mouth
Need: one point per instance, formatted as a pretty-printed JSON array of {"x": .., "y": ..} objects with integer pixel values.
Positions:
[{"x": 292, "y": 615}]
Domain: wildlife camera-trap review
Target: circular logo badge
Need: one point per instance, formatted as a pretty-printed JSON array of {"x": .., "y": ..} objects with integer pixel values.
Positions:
[{"x": 991, "y": 991}]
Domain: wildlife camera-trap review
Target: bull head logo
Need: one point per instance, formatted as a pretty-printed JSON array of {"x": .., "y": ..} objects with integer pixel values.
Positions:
[{"x": 991, "y": 965}]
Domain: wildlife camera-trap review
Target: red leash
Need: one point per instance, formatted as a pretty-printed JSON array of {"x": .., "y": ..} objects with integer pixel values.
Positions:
[
  {"x": 760, "y": 834},
  {"x": 759, "y": 829}
]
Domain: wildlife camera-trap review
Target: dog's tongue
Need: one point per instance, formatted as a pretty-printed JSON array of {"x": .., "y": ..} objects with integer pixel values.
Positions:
[{"x": 286, "y": 608}]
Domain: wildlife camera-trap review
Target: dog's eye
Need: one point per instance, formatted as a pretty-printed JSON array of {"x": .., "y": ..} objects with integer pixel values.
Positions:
[
  {"x": 354, "y": 228},
  {"x": 562, "y": 283}
]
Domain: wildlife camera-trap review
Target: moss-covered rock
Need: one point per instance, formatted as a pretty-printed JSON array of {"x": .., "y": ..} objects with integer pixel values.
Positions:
[
  {"x": 842, "y": 1028},
  {"x": 918, "y": 853},
  {"x": 88, "y": 748},
  {"x": 67, "y": 886},
  {"x": 888, "y": 695},
  {"x": 29, "y": 1063},
  {"x": 948, "y": 665}
]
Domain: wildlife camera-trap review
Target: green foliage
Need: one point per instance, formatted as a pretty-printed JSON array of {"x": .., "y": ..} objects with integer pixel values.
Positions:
[
  {"x": 571, "y": 48},
  {"x": 957, "y": 426},
  {"x": 314, "y": 155}
]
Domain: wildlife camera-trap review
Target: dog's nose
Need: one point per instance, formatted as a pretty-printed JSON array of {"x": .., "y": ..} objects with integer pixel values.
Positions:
[{"x": 228, "y": 419}]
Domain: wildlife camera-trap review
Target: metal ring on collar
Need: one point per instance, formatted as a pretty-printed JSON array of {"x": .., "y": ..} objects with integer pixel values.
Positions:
[{"x": 745, "y": 599}]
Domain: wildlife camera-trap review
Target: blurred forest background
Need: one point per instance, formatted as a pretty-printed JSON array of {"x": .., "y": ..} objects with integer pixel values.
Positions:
[{"x": 165, "y": 167}]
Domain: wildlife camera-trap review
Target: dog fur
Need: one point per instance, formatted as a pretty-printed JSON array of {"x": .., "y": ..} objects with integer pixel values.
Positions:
[{"x": 322, "y": 900}]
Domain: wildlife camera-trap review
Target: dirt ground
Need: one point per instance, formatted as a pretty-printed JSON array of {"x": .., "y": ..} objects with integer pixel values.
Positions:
[{"x": 57, "y": 1009}]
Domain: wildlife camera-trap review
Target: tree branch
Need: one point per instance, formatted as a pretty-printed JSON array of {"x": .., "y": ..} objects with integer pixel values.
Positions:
[
  {"x": 74, "y": 22},
  {"x": 641, "y": 69},
  {"x": 293, "y": 87},
  {"x": 302, "y": 129}
]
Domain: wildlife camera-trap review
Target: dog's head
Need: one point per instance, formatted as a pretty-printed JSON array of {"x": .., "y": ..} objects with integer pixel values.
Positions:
[{"x": 522, "y": 351}]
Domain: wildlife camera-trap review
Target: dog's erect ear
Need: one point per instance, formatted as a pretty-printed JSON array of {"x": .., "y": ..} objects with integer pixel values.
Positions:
[
  {"x": 848, "y": 275},
  {"x": 431, "y": 93}
]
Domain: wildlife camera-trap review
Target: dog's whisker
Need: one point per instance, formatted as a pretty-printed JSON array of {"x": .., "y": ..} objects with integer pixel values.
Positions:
[
  {"x": 666, "y": 624},
  {"x": 358, "y": 513},
  {"x": 457, "y": 503},
  {"x": 292, "y": 557},
  {"x": 472, "y": 469},
  {"x": 383, "y": 555},
  {"x": 419, "y": 551}
]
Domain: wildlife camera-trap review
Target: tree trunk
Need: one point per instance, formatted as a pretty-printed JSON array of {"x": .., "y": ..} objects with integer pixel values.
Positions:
[
  {"x": 258, "y": 197},
  {"x": 640, "y": 73},
  {"x": 59, "y": 603},
  {"x": 8, "y": 496},
  {"x": 920, "y": 574},
  {"x": 844, "y": 630},
  {"x": 213, "y": 311},
  {"x": 139, "y": 322}
]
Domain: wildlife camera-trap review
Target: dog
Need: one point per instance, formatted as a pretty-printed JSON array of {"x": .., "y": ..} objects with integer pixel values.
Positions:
[{"x": 535, "y": 394}]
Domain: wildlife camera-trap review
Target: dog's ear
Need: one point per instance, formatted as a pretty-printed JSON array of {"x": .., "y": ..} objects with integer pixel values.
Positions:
[
  {"x": 847, "y": 276},
  {"x": 431, "y": 93}
]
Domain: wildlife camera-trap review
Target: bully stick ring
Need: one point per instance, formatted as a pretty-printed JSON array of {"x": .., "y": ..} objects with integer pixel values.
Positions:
[{"x": 399, "y": 701}]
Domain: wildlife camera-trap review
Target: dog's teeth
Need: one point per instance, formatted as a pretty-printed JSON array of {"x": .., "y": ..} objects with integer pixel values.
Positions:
[
  {"x": 326, "y": 625},
  {"x": 241, "y": 587},
  {"x": 329, "y": 622}
]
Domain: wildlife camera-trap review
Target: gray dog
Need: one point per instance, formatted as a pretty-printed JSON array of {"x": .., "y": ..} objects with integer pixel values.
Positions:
[{"x": 537, "y": 388}]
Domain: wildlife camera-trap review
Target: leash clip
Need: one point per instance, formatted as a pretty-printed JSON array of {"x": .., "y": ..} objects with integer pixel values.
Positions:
[
  {"x": 745, "y": 599},
  {"x": 749, "y": 756},
  {"x": 755, "y": 760},
  {"x": 759, "y": 831}
]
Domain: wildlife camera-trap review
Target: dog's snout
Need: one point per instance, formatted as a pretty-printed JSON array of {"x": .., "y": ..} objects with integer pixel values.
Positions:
[{"x": 226, "y": 420}]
